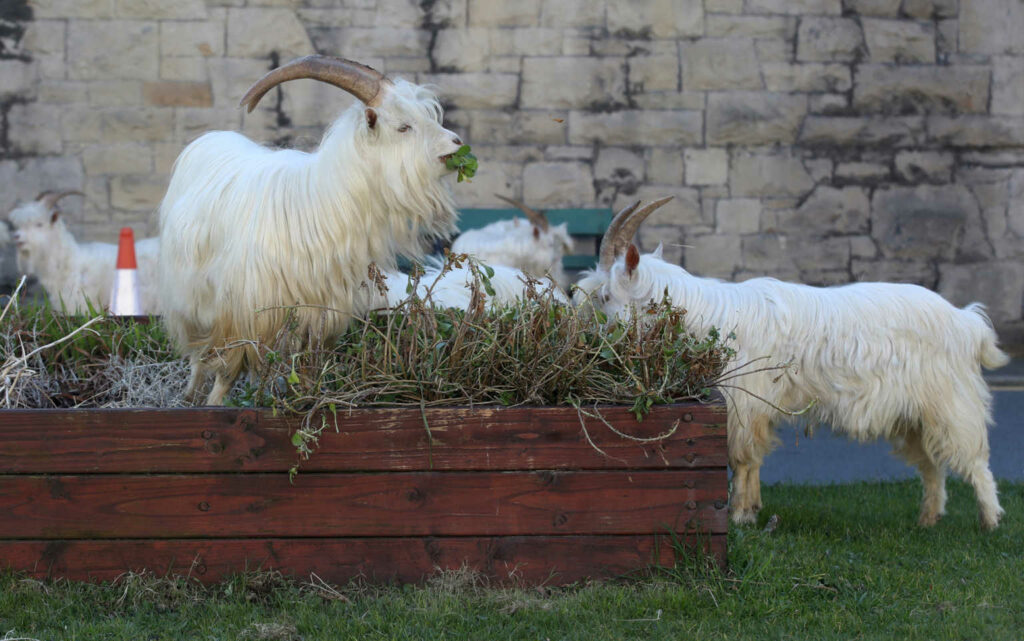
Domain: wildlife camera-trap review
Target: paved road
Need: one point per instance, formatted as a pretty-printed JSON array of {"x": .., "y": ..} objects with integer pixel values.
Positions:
[{"x": 828, "y": 458}]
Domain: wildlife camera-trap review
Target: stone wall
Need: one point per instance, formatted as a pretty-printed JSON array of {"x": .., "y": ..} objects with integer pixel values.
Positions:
[{"x": 825, "y": 141}]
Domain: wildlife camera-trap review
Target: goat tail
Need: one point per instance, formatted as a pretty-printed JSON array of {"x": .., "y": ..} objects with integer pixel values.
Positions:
[{"x": 991, "y": 356}]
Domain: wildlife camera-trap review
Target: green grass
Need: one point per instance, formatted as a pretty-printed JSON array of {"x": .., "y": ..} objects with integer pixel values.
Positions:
[{"x": 846, "y": 562}]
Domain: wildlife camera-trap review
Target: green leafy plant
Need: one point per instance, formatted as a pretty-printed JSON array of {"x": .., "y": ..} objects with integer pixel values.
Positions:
[{"x": 463, "y": 162}]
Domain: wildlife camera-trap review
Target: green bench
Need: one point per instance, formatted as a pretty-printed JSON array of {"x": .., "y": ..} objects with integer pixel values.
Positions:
[{"x": 587, "y": 226}]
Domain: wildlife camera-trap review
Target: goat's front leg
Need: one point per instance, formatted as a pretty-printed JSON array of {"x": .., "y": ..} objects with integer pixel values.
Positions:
[{"x": 739, "y": 502}]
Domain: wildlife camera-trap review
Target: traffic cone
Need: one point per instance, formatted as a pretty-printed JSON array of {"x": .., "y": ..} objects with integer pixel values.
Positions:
[{"x": 124, "y": 298}]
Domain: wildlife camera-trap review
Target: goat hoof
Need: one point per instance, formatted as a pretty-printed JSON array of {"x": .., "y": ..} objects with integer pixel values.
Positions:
[
  {"x": 744, "y": 517},
  {"x": 988, "y": 523},
  {"x": 928, "y": 519}
]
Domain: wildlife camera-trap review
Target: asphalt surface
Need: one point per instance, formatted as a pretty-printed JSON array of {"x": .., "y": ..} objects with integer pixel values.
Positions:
[{"x": 828, "y": 458}]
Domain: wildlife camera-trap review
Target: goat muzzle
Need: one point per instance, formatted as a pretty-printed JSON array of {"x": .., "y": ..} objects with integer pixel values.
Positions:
[{"x": 365, "y": 83}]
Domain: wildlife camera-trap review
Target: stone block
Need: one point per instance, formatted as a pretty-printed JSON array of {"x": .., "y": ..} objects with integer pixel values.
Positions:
[
  {"x": 924, "y": 166},
  {"x": 572, "y": 13},
  {"x": 921, "y": 223},
  {"x": 401, "y": 13},
  {"x": 113, "y": 49},
  {"x": 475, "y": 90},
  {"x": 558, "y": 184},
  {"x": 137, "y": 192},
  {"x": 880, "y": 8},
  {"x": 193, "y": 38},
  {"x": 806, "y": 77},
  {"x": 829, "y": 210},
  {"x": 44, "y": 38},
  {"x": 569, "y": 82},
  {"x": 122, "y": 158},
  {"x": 756, "y": 174},
  {"x": 23, "y": 179},
  {"x": 991, "y": 27},
  {"x": 999, "y": 285},
  {"x": 621, "y": 170},
  {"x": 518, "y": 127},
  {"x": 665, "y": 166},
  {"x": 161, "y": 9},
  {"x": 661, "y": 100},
  {"x": 829, "y": 40},
  {"x": 738, "y": 216},
  {"x": 653, "y": 73},
  {"x": 862, "y": 247},
  {"x": 1008, "y": 86},
  {"x": 856, "y": 131},
  {"x": 63, "y": 9},
  {"x": 17, "y": 78},
  {"x": 861, "y": 172},
  {"x": 630, "y": 127},
  {"x": 357, "y": 42},
  {"x": 683, "y": 209},
  {"x": 492, "y": 178},
  {"x": 899, "y": 41},
  {"x": 486, "y": 13},
  {"x": 169, "y": 93},
  {"x": 706, "y": 166},
  {"x": 183, "y": 69},
  {"x": 656, "y": 18},
  {"x": 753, "y": 118},
  {"x": 976, "y": 131},
  {"x": 903, "y": 90},
  {"x": 231, "y": 77},
  {"x": 712, "y": 64},
  {"x": 463, "y": 49},
  {"x": 713, "y": 256},
  {"x": 123, "y": 124},
  {"x": 893, "y": 271},
  {"x": 114, "y": 93},
  {"x": 254, "y": 33},
  {"x": 727, "y": 26},
  {"x": 34, "y": 129},
  {"x": 796, "y": 7}
]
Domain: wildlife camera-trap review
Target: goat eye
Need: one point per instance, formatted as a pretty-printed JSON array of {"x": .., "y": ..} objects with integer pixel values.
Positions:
[{"x": 404, "y": 128}]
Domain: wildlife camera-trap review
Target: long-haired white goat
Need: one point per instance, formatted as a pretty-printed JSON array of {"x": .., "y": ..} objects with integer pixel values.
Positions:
[
  {"x": 74, "y": 273},
  {"x": 246, "y": 230},
  {"x": 536, "y": 248},
  {"x": 873, "y": 360}
]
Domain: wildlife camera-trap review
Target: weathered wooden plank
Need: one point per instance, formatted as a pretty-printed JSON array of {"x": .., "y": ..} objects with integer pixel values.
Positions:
[
  {"x": 551, "y": 560},
  {"x": 394, "y": 504},
  {"x": 215, "y": 440}
]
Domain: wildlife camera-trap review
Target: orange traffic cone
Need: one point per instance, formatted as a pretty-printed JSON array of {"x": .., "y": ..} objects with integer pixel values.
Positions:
[{"x": 124, "y": 298}]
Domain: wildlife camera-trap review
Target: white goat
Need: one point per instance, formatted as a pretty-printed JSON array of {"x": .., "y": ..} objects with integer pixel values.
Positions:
[
  {"x": 536, "y": 248},
  {"x": 71, "y": 272},
  {"x": 871, "y": 359},
  {"x": 454, "y": 288},
  {"x": 247, "y": 230}
]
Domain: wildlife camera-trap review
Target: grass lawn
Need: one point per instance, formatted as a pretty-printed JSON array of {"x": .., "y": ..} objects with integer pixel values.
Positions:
[{"x": 846, "y": 562}]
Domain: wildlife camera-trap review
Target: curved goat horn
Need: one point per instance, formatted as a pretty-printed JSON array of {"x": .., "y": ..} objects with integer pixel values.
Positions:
[
  {"x": 632, "y": 223},
  {"x": 536, "y": 217},
  {"x": 51, "y": 198},
  {"x": 365, "y": 83},
  {"x": 607, "y": 251}
]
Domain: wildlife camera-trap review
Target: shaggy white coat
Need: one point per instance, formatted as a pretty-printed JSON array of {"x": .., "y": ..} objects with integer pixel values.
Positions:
[
  {"x": 72, "y": 272},
  {"x": 520, "y": 244},
  {"x": 876, "y": 360},
  {"x": 246, "y": 230}
]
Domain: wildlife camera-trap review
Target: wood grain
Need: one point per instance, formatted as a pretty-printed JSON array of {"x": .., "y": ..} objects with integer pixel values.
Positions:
[
  {"x": 551, "y": 560},
  {"x": 334, "y": 505},
  {"x": 231, "y": 440}
]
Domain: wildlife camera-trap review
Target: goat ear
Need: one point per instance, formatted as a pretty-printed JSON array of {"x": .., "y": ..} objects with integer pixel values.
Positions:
[
  {"x": 632, "y": 259},
  {"x": 536, "y": 234},
  {"x": 659, "y": 251},
  {"x": 371, "y": 117}
]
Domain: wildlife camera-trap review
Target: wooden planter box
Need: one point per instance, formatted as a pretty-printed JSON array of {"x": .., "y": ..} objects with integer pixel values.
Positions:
[{"x": 519, "y": 494}]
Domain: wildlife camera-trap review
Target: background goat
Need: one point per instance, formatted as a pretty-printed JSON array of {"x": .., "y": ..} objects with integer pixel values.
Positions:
[
  {"x": 247, "y": 230},
  {"x": 536, "y": 247},
  {"x": 72, "y": 272},
  {"x": 871, "y": 359}
]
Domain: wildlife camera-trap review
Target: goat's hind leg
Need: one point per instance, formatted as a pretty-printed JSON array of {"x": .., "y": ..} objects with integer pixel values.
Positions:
[
  {"x": 933, "y": 477},
  {"x": 196, "y": 379}
]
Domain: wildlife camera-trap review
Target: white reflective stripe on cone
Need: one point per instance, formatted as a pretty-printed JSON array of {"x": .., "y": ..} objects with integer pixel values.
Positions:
[{"x": 124, "y": 299}]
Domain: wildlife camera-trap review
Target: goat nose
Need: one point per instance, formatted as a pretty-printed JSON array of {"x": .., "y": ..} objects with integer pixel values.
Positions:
[{"x": 457, "y": 141}]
